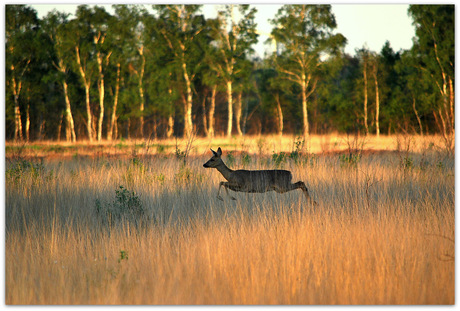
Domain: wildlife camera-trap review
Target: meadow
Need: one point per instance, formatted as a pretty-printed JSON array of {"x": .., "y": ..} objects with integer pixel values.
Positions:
[{"x": 138, "y": 222}]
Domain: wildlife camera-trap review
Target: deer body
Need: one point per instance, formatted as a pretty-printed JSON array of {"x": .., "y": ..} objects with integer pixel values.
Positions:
[{"x": 254, "y": 181}]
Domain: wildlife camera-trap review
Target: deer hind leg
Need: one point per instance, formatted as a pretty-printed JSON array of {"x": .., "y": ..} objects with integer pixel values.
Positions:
[
  {"x": 297, "y": 185},
  {"x": 301, "y": 185},
  {"x": 225, "y": 184}
]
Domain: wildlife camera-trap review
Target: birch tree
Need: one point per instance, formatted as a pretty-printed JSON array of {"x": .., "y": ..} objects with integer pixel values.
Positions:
[
  {"x": 56, "y": 27},
  {"x": 180, "y": 27},
  {"x": 304, "y": 35},
  {"x": 234, "y": 34},
  {"x": 435, "y": 45},
  {"x": 20, "y": 24}
]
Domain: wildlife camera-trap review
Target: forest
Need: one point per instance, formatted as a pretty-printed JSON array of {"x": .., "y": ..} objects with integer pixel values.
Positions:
[{"x": 168, "y": 71}]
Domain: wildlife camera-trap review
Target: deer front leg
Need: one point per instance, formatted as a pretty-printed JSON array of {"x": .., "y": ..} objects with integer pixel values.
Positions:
[{"x": 225, "y": 184}]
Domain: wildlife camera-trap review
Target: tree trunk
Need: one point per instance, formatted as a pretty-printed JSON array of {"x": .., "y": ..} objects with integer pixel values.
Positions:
[
  {"x": 452, "y": 103},
  {"x": 418, "y": 118},
  {"x": 86, "y": 82},
  {"x": 212, "y": 109},
  {"x": 365, "y": 97},
  {"x": 141, "y": 91},
  {"x": 101, "y": 97},
  {"x": 188, "y": 125},
  {"x": 238, "y": 114},
  {"x": 89, "y": 124},
  {"x": 170, "y": 130},
  {"x": 41, "y": 128},
  {"x": 280, "y": 115},
  {"x": 204, "y": 116},
  {"x": 59, "y": 127},
  {"x": 230, "y": 108},
  {"x": 113, "y": 119},
  {"x": 27, "y": 123},
  {"x": 306, "y": 129},
  {"x": 377, "y": 101},
  {"x": 17, "y": 112},
  {"x": 17, "y": 120},
  {"x": 70, "y": 127}
]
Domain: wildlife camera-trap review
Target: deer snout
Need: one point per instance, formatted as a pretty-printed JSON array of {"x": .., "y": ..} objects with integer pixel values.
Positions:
[{"x": 205, "y": 165}]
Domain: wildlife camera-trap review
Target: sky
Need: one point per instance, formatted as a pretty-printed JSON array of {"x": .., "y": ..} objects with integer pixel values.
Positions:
[{"x": 364, "y": 25}]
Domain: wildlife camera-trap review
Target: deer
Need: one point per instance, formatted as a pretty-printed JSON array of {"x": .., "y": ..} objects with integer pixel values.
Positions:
[{"x": 254, "y": 181}]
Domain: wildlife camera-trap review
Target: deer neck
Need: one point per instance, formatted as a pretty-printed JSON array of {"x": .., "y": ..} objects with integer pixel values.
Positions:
[{"x": 224, "y": 170}]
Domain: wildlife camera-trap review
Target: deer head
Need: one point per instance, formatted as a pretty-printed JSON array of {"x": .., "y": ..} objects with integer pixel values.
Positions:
[{"x": 215, "y": 159}]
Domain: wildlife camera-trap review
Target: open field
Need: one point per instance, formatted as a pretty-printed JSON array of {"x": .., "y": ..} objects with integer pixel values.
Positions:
[{"x": 139, "y": 223}]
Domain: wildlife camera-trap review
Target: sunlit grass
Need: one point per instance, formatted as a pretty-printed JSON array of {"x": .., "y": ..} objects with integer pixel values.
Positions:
[{"x": 382, "y": 232}]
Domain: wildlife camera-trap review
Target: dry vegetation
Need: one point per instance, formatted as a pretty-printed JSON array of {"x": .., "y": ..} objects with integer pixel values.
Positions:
[{"x": 141, "y": 224}]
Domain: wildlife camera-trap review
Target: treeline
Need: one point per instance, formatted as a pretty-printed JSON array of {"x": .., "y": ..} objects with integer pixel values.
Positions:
[{"x": 170, "y": 71}]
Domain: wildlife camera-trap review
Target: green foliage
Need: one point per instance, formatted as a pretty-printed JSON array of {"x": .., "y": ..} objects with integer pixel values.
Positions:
[
  {"x": 127, "y": 206},
  {"x": 279, "y": 159},
  {"x": 123, "y": 256},
  {"x": 297, "y": 153},
  {"x": 230, "y": 159},
  {"x": 180, "y": 155},
  {"x": 245, "y": 159},
  {"x": 407, "y": 163},
  {"x": 349, "y": 160},
  {"x": 23, "y": 169},
  {"x": 146, "y": 57}
]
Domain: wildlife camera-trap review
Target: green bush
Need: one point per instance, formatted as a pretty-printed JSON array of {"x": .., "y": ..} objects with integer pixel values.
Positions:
[{"x": 127, "y": 206}]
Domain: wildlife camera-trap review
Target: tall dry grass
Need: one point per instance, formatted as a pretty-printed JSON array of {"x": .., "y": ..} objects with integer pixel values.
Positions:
[{"x": 383, "y": 232}]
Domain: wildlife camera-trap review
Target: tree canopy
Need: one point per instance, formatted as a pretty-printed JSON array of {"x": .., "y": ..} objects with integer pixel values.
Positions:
[{"x": 168, "y": 70}]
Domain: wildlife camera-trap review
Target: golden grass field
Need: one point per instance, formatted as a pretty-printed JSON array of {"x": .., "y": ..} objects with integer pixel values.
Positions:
[{"x": 382, "y": 233}]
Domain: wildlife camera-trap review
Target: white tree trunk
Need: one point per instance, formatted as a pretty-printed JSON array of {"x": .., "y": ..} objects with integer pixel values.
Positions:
[
  {"x": 230, "y": 108},
  {"x": 188, "y": 125},
  {"x": 113, "y": 119},
  {"x": 70, "y": 127}
]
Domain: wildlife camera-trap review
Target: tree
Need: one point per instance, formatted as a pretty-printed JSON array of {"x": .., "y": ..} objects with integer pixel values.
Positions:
[
  {"x": 435, "y": 46},
  {"x": 233, "y": 39},
  {"x": 180, "y": 28},
  {"x": 56, "y": 27},
  {"x": 130, "y": 41},
  {"x": 375, "y": 60},
  {"x": 100, "y": 20},
  {"x": 20, "y": 30},
  {"x": 363, "y": 54},
  {"x": 82, "y": 37},
  {"x": 304, "y": 33}
]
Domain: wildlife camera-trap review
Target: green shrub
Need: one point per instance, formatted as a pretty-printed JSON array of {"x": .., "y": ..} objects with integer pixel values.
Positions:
[
  {"x": 349, "y": 160},
  {"x": 127, "y": 206},
  {"x": 245, "y": 159},
  {"x": 279, "y": 158}
]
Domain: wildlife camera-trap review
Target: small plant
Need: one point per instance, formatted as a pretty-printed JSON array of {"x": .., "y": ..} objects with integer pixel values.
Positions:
[
  {"x": 296, "y": 155},
  {"x": 230, "y": 159},
  {"x": 161, "y": 178},
  {"x": 440, "y": 165},
  {"x": 349, "y": 160},
  {"x": 407, "y": 163},
  {"x": 180, "y": 155},
  {"x": 161, "y": 149},
  {"x": 184, "y": 174},
  {"x": 261, "y": 145},
  {"x": 279, "y": 158},
  {"x": 23, "y": 168},
  {"x": 123, "y": 256},
  {"x": 137, "y": 164},
  {"x": 245, "y": 159},
  {"x": 126, "y": 206}
]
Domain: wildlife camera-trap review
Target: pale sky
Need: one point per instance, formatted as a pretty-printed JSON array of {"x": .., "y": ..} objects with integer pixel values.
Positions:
[{"x": 367, "y": 25}]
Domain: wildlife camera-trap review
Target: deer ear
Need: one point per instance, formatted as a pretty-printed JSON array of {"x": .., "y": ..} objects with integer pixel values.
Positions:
[
  {"x": 219, "y": 152},
  {"x": 215, "y": 153}
]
